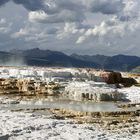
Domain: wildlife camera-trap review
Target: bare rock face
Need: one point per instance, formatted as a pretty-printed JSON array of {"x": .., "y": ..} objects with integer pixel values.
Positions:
[
  {"x": 127, "y": 82},
  {"x": 111, "y": 77}
]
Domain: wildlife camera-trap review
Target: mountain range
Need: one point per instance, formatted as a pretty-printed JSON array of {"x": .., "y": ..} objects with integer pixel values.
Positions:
[{"x": 38, "y": 57}]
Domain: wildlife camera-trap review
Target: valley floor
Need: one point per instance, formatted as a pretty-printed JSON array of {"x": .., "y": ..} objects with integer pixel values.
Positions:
[{"x": 32, "y": 125}]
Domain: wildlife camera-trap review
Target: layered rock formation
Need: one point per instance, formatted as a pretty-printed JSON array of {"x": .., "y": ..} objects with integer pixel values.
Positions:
[
  {"x": 80, "y": 84},
  {"x": 92, "y": 91},
  {"x": 28, "y": 87},
  {"x": 65, "y": 74}
]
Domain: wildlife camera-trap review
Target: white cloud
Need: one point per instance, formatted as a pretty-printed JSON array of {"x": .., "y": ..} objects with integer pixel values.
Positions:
[
  {"x": 4, "y": 26},
  {"x": 112, "y": 28},
  {"x": 38, "y": 16},
  {"x": 63, "y": 16},
  {"x": 20, "y": 33},
  {"x": 34, "y": 33},
  {"x": 65, "y": 24},
  {"x": 125, "y": 22},
  {"x": 2, "y": 21},
  {"x": 81, "y": 39}
]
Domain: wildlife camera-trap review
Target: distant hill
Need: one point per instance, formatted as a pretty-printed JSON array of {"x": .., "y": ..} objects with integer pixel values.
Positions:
[
  {"x": 117, "y": 62},
  {"x": 123, "y": 62},
  {"x": 99, "y": 59},
  {"x": 38, "y": 57}
]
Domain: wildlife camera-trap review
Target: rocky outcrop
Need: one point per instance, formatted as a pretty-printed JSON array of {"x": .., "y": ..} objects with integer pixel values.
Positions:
[
  {"x": 127, "y": 82},
  {"x": 111, "y": 77}
]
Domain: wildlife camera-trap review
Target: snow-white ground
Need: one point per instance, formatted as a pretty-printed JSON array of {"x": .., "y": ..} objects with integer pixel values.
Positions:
[
  {"x": 27, "y": 126},
  {"x": 131, "y": 93},
  {"x": 30, "y": 126}
]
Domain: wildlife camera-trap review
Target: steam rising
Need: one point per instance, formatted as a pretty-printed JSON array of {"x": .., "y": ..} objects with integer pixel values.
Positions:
[{"x": 13, "y": 61}]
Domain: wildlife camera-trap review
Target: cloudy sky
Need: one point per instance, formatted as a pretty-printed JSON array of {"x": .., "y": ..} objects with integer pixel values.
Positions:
[{"x": 73, "y": 26}]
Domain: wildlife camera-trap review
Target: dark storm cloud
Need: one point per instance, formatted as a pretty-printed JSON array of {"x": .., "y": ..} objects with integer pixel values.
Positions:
[
  {"x": 69, "y": 10},
  {"x": 103, "y": 6},
  {"x": 32, "y": 5},
  {"x": 3, "y": 2},
  {"x": 106, "y": 6}
]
